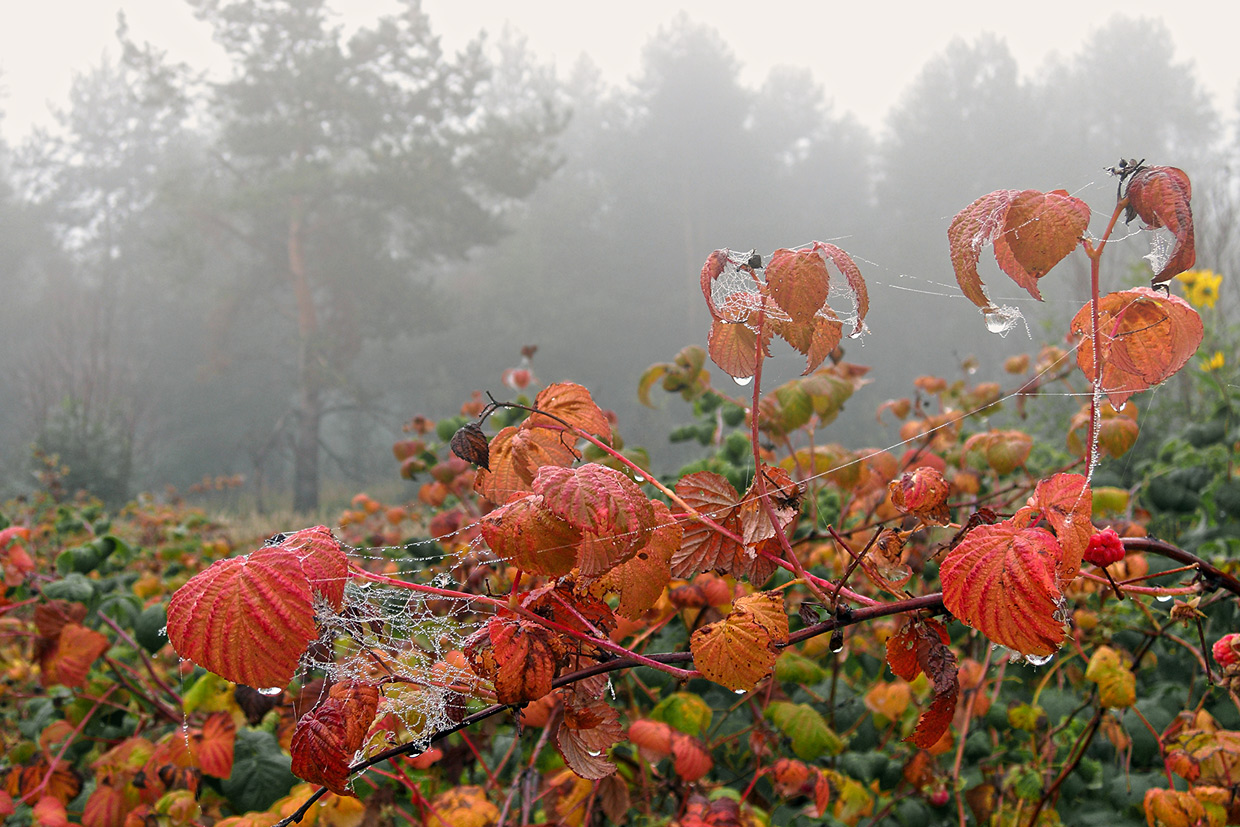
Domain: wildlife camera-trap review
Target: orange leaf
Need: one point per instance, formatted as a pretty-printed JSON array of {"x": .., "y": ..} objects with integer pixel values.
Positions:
[
  {"x": 704, "y": 548},
  {"x": 643, "y": 577},
  {"x": 921, "y": 646},
  {"x": 1172, "y": 808},
  {"x": 733, "y": 347},
  {"x": 68, "y": 662},
  {"x": 785, "y": 496},
  {"x": 723, "y": 263},
  {"x": 739, "y": 651},
  {"x": 1032, "y": 233},
  {"x": 17, "y": 563},
  {"x": 518, "y": 657},
  {"x": 852, "y": 274},
  {"x": 799, "y": 283},
  {"x": 1145, "y": 337},
  {"x": 248, "y": 619},
  {"x": 1066, "y": 502},
  {"x": 50, "y": 812},
  {"x": 327, "y": 737},
  {"x": 1161, "y": 196},
  {"x": 573, "y": 404},
  {"x": 1039, "y": 231},
  {"x": 586, "y": 732},
  {"x": 213, "y": 748},
  {"x": 105, "y": 807},
  {"x": 656, "y": 740},
  {"x": 533, "y": 539},
  {"x": 1003, "y": 581},
  {"x": 515, "y": 457},
  {"x": 922, "y": 493},
  {"x": 462, "y": 807},
  {"x": 613, "y": 515}
]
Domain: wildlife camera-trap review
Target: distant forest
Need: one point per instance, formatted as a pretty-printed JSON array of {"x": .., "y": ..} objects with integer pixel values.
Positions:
[{"x": 265, "y": 274}]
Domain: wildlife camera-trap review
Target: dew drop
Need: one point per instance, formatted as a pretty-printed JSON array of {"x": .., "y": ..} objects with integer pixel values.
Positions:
[
  {"x": 595, "y": 753},
  {"x": 836, "y": 648},
  {"x": 742, "y": 380},
  {"x": 271, "y": 691},
  {"x": 1001, "y": 320},
  {"x": 1038, "y": 660},
  {"x": 163, "y": 632},
  {"x": 638, "y": 478},
  {"x": 611, "y": 689},
  {"x": 740, "y": 691},
  {"x": 1163, "y": 598}
]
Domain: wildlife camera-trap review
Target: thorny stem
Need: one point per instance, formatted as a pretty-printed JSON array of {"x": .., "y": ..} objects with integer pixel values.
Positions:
[{"x": 1095, "y": 261}]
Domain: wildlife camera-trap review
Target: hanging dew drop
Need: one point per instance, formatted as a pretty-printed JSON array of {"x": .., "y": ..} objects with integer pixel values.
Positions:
[
  {"x": 1038, "y": 660},
  {"x": 742, "y": 380},
  {"x": 1163, "y": 598},
  {"x": 740, "y": 691},
  {"x": 270, "y": 691}
]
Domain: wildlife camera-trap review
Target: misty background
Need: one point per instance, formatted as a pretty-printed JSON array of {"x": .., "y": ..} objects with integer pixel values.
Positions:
[{"x": 267, "y": 270}]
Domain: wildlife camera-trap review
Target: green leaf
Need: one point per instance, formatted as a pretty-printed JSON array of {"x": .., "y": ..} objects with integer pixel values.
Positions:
[
  {"x": 684, "y": 711},
  {"x": 260, "y": 775},
  {"x": 806, "y": 728},
  {"x": 791, "y": 667},
  {"x": 75, "y": 588}
]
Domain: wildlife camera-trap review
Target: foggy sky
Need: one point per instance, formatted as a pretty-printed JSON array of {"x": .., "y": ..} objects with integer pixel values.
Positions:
[{"x": 864, "y": 54}]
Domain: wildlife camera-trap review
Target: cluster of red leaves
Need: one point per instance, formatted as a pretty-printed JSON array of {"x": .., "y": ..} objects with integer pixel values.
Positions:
[{"x": 786, "y": 298}]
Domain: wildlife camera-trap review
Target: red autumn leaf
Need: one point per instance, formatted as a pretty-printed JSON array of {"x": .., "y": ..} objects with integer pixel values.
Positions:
[
  {"x": 1031, "y": 231},
  {"x": 249, "y": 619},
  {"x": 613, "y": 515},
  {"x": 785, "y": 497},
  {"x": 562, "y": 604},
  {"x": 1161, "y": 196},
  {"x": 573, "y": 404},
  {"x": 922, "y": 493},
  {"x": 704, "y": 548},
  {"x": 1003, "y": 580},
  {"x": 643, "y": 577},
  {"x": 54, "y": 615},
  {"x": 921, "y": 646},
  {"x": 1145, "y": 337},
  {"x": 739, "y": 651},
  {"x": 734, "y": 348},
  {"x": 799, "y": 283},
  {"x": 106, "y": 807},
  {"x": 1067, "y": 504},
  {"x": 528, "y": 535},
  {"x": 515, "y": 457},
  {"x": 213, "y": 746},
  {"x": 519, "y": 657},
  {"x": 1039, "y": 231},
  {"x": 327, "y": 737},
  {"x": 852, "y": 274},
  {"x": 656, "y": 740},
  {"x": 64, "y": 785},
  {"x": 935, "y": 720},
  {"x": 50, "y": 812},
  {"x": 587, "y": 730},
  {"x": 16, "y": 562},
  {"x": 69, "y": 660}
]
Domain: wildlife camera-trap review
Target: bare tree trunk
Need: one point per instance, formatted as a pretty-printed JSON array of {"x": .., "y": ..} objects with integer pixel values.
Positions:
[{"x": 309, "y": 398}]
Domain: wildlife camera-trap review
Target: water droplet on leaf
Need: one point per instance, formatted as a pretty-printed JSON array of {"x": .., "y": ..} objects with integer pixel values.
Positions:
[
  {"x": 742, "y": 380},
  {"x": 270, "y": 691},
  {"x": 740, "y": 691}
]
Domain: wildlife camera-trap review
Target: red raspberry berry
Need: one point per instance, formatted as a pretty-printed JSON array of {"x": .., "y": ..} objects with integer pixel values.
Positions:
[
  {"x": 1105, "y": 548},
  {"x": 1227, "y": 650},
  {"x": 939, "y": 798}
]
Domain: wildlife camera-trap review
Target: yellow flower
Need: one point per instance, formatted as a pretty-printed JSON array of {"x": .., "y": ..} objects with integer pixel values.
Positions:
[
  {"x": 1214, "y": 362},
  {"x": 1200, "y": 287}
]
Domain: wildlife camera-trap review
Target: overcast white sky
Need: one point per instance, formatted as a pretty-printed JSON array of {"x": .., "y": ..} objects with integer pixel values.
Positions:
[{"x": 864, "y": 53}]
